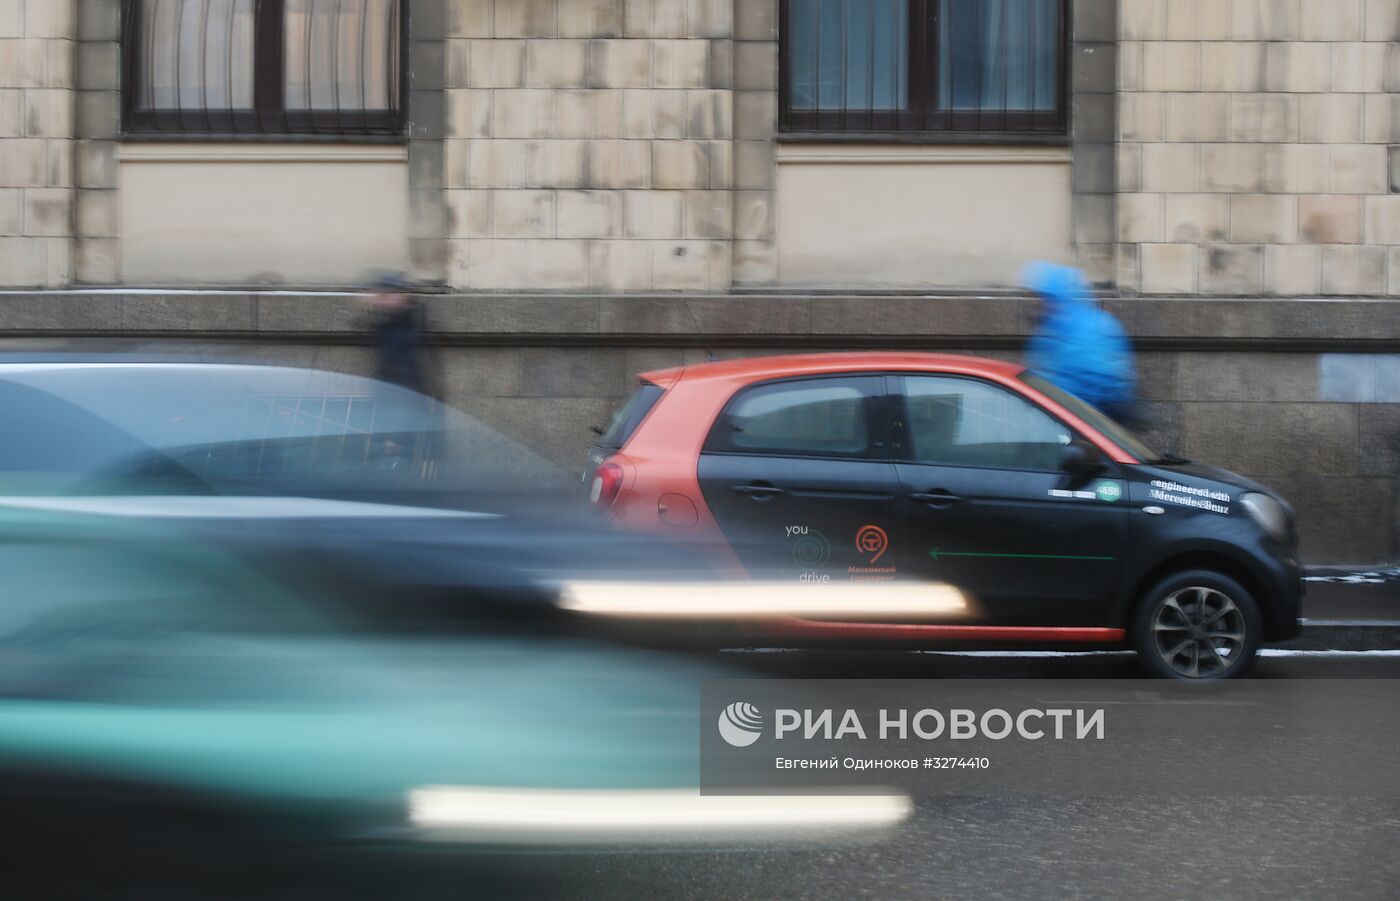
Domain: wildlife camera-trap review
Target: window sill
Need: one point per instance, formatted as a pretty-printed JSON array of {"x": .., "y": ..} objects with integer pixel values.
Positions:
[
  {"x": 923, "y": 137},
  {"x": 828, "y": 153},
  {"x": 177, "y": 137},
  {"x": 246, "y": 152}
]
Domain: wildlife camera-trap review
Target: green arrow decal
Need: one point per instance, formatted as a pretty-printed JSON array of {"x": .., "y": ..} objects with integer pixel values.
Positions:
[{"x": 936, "y": 553}]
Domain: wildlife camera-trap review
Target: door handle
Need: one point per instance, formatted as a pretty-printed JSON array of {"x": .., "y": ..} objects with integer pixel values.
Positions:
[
  {"x": 759, "y": 492},
  {"x": 936, "y": 498}
]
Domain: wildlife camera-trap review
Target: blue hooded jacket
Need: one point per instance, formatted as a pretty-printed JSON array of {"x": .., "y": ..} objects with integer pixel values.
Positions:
[{"x": 1077, "y": 345}]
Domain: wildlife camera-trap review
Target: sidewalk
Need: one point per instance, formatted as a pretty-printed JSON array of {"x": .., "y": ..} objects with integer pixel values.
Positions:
[{"x": 1351, "y": 609}]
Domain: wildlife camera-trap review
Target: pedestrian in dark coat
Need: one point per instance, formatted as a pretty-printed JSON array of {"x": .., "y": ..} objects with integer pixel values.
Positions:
[
  {"x": 411, "y": 422},
  {"x": 399, "y": 332}
]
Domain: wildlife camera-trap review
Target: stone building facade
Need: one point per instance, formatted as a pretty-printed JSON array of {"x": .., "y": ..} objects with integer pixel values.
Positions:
[
  {"x": 547, "y": 145},
  {"x": 593, "y": 145},
  {"x": 37, "y": 117},
  {"x": 1259, "y": 147},
  {"x": 1207, "y": 148},
  {"x": 588, "y": 189}
]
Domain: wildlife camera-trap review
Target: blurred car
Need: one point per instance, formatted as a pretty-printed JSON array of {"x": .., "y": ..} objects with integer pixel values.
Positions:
[
  {"x": 161, "y": 697},
  {"x": 249, "y": 603},
  {"x": 1057, "y": 524},
  {"x": 418, "y": 513}
]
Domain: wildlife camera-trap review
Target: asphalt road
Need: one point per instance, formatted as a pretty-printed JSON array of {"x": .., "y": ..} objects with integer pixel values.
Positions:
[
  {"x": 952, "y": 847},
  {"x": 1035, "y": 848},
  {"x": 981, "y": 848}
]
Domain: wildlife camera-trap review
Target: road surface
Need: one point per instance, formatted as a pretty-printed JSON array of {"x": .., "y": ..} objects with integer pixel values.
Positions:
[{"x": 952, "y": 847}]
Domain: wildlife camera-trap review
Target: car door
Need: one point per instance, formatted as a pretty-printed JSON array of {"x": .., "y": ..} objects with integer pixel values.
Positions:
[
  {"x": 797, "y": 474},
  {"x": 987, "y": 507}
]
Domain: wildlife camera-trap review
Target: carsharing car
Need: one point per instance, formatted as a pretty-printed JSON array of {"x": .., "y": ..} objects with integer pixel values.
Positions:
[{"x": 1057, "y": 526}]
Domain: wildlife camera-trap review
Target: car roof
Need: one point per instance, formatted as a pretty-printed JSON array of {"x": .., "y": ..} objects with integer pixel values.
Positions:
[
  {"x": 296, "y": 378},
  {"x": 15, "y": 360},
  {"x": 758, "y": 368},
  {"x": 55, "y": 363}
]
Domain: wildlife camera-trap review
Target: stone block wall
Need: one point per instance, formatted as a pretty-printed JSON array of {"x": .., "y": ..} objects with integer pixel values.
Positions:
[
  {"x": 1093, "y": 81},
  {"x": 427, "y": 126},
  {"x": 755, "y": 125},
  {"x": 1302, "y": 395},
  {"x": 1265, "y": 415},
  {"x": 36, "y": 142},
  {"x": 1256, "y": 149},
  {"x": 589, "y": 144},
  {"x": 97, "y": 226}
]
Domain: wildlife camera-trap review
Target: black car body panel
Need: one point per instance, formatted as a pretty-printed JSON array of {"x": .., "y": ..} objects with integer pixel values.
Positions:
[{"x": 1205, "y": 527}]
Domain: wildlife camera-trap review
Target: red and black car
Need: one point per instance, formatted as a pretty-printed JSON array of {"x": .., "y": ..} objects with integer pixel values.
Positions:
[{"x": 1060, "y": 526}]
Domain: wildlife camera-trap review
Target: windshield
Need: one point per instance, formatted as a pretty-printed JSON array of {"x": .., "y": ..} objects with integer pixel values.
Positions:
[{"x": 1093, "y": 416}]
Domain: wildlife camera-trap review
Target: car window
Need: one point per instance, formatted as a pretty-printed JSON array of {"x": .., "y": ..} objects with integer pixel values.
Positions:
[
  {"x": 630, "y": 415},
  {"x": 817, "y": 417},
  {"x": 250, "y": 429},
  {"x": 231, "y": 437},
  {"x": 966, "y": 422}
]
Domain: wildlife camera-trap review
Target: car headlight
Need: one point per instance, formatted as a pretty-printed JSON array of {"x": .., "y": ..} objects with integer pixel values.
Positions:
[{"x": 1268, "y": 513}]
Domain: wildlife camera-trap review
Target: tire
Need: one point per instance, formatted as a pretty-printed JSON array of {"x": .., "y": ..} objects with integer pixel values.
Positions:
[{"x": 1197, "y": 624}]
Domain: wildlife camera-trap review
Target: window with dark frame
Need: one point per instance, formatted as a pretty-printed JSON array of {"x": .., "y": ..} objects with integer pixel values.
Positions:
[
  {"x": 818, "y": 417},
  {"x": 974, "y": 67},
  {"x": 955, "y": 421},
  {"x": 262, "y": 68}
]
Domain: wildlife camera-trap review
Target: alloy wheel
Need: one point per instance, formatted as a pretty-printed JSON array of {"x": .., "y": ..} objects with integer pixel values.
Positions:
[{"x": 1198, "y": 632}]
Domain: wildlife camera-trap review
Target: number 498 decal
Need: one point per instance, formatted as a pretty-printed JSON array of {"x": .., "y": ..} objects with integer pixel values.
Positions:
[{"x": 1108, "y": 491}]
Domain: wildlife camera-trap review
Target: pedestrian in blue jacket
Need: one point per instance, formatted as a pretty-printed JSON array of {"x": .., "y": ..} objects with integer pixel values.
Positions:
[{"x": 1077, "y": 345}]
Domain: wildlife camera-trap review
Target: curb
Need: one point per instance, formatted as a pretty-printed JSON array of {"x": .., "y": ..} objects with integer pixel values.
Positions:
[{"x": 1345, "y": 635}]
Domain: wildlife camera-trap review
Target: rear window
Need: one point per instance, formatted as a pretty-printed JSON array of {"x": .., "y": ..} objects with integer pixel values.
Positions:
[{"x": 629, "y": 416}]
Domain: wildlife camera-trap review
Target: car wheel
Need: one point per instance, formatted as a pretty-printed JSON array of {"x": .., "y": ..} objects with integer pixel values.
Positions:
[{"x": 1197, "y": 625}]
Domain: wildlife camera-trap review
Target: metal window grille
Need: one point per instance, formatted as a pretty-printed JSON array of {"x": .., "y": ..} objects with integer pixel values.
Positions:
[
  {"x": 254, "y": 68},
  {"x": 994, "y": 67}
]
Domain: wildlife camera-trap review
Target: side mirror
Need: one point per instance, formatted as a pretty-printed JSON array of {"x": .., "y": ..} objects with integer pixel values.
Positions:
[{"x": 1081, "y": 461}]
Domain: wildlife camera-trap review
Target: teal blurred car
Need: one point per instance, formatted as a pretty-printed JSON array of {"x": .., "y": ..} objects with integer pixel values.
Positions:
[
  {"x": 164, "y": 668},
  {"x": 179, "y": 667}
]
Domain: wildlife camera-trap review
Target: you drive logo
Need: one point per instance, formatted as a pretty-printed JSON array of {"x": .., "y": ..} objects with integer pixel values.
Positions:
[{"x": 740, "y": 724}]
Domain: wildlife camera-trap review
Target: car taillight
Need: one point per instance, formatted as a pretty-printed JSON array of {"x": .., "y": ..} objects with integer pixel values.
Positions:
[{"x": 607, "y": 482}]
